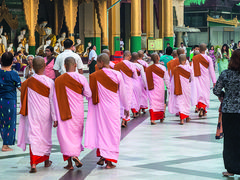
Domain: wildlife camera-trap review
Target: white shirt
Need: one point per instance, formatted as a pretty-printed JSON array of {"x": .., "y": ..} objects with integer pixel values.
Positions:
[
  {"x": 59, "y": 63},
  {"x": 93, "y": 54},
  {"x": 121, "y": 44}
]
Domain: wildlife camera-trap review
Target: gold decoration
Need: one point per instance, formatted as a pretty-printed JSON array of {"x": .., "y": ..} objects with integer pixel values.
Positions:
[
  {"x": 4, "y": 14},
  {"x": 221, "y": 20},
  {"x": 70, "y": 11},
  {"x": 31, "y": 15}
]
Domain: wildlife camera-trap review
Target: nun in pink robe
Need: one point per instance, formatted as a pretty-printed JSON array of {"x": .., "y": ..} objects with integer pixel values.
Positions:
[
  {"x": 128, "y": 81},
  {"x": 138, "y": 84},
  {"x": 144, "y": 95},
  {"x": 35, "y": 127},
  {"x": 157, "y": 94},
  {"x": 103, "y": 130},
  {"x": 182, "y": 103},
  {"x": 70, "y": 130},
  {"x": 201, "y": 84}
]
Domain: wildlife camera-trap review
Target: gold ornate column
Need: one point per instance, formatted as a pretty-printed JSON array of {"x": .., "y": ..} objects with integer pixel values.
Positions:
[
  {"x": 31, "y": 14},
  {"x": 56, "y": 16},
  {"x": 70, "y": 11},
  {"x": 136, "y": 25},
  {"x": 103, "y": 22},
  {"x": 161, "y": 18},
  {"x": 149, "y": 18},
  {"x": 114, "y": 27},
  {"x": 168, "y": 19}
]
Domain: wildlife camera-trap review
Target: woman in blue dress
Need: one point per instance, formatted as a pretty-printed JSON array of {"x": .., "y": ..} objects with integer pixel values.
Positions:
[{"x": 9, "y": 82}]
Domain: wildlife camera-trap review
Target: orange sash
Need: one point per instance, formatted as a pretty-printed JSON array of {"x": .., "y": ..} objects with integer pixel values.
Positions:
[
  {"x": 177, "y": 82},
  {"x": 197, "y": 60},
  {"x": 36, "y": 86},
  {"x": 61, "y": 83},
  {"x": 153, "y": 69},
  {"x": 174, "y": 64},
  {"x": 124, "y": 68},
  {"x": 96, "y": 67},
  {"x": 104, "y": 80}
]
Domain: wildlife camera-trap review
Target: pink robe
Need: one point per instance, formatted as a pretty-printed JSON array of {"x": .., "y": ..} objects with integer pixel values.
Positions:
[
  {"x": 103, "y": 128},
  {"x": 70, "y": 132},
  {"x": 49, "y": 71},
  {"x": 144, "y": 96},
  {"x": 157, "y": 95},
  {"x": 128, "y": 81},
  {"x": 138, "y": 84},
  {"x": 201, "y": 84},
  {"x": 182, "y": 103},
  {"x": 111, "y": 64},
  {"x": 36, "y": 128}
]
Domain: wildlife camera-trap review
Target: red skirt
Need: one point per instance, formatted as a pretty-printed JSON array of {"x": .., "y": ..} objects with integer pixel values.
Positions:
[
  {"x": 37, "y": 159},
  {"x": 156, "y": 115},
  {"x": 183, "y": 116}
]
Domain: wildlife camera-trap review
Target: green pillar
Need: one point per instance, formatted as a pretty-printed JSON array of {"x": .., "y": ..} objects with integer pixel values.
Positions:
[
  {"x": 32, "y": 50},
  {"x": 104, "y": 47},
  {"x": 136, "y": 43},
  {"x": 116, "y": 43},
  {"x": 95, "y": 41},
  {"x": 168, "y": 40}
]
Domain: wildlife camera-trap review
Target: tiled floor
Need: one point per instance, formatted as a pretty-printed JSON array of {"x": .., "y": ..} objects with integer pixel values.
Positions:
[{"x": 165, "y": 151}]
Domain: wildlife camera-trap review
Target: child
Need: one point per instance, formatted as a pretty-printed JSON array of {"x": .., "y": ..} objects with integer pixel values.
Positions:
[
  {"x": 9, "y": 81},
  {"x": 70, "y": 89},
  {"x": 182, "y": 89},
  {"x": 37, "y": 113}
]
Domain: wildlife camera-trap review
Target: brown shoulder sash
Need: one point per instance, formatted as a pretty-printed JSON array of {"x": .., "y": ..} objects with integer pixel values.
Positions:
[
  {"x": 96, "y": 67},
  {"x": 174, "y": 64},
  {"x": 197, "y": 60},
  {"x": 36, "y": 86},
  {"x": 177, "y": 82},
  {"x": 153, "y": 69},
  {"x": 101, "y": 77},
  {"x": 61, "y": 83},
  {"x": 124, "y": 68}
]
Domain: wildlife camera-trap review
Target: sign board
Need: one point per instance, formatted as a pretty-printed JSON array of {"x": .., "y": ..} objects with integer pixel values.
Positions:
[{"x": 155, "y": 44}]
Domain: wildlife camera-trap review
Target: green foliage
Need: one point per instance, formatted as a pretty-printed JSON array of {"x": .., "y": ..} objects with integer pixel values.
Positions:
[
  {"x": 216, "y": 48},
  {"x": 196, "y": 2}
]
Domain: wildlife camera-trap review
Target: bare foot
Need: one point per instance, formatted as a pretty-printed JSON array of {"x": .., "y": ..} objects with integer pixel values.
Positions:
[
  {"x": 110, "y": 165},
  {"x": 188, "y": 119},
  {"x": 124, "y": 124},
  {"x": 69, "y": 167},
  {"x": 161, "y": 120},
  {"x": 227, "y": 174},
  {"x": 6, "y": 148},
  {"x": 77, "y": 162},
  {"x": 33, "y": 169},
  {"x": 201, "y": 112},
  {"x": 153, "y": 123},
  {"x": 47, "y": 163},
  {"x": 101, "y": 161},
  {"x": 182, "y": 122}
]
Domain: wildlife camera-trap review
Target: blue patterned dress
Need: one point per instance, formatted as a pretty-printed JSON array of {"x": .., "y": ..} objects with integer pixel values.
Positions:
[{"x": 9, "y": 81}]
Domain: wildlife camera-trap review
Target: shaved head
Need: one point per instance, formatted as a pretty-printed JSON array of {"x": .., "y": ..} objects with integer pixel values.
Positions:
[
  {"x": 155, "y": 57},
  {"x": 106, "y": 51},
  {"x": 103, "y": 58},
  {"x": 135, "y": 56},
  {"x": 203, "y": 47},
  {"x": 180, "y": 51},
  {"x": 182, "y": 58},
  {"x": 140, "y": 54},
  {"x": 69, "y": 63},
  {"x": 127, "y": 55},
  {"x": 38, "y": 64},
  {"x": 174, "y": 54}
]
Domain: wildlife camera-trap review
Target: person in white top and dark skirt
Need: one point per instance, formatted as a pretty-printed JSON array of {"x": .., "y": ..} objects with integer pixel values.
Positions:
[{"x": 92, "y": 60}]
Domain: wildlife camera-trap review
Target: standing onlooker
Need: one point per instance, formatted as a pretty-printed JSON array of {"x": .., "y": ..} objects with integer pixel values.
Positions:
[
  {"x": 223, "y": 62},
  {"x": 92, "y": 60},
  {"x": 29, "y": 71},
  {"x": 146, "y": 57},
  {"x": 167, "y": 57},
  {"x": 59, "y": 64},
  {"x": 49, "y": 60},
  {"x": 121, "y": 45},
  {"x": 211, "y": 53},
  {"x": 230, "y": 81},
  {"x": 184, "y": 47},
  {"x": 195, "y": 49},
  {"x": 9, "y": 81}
]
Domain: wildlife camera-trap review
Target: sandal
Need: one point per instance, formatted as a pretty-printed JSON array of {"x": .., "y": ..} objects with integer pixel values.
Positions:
[
  {"x": 77, "y": 162},
  {"x": 33, "y": 170},
  {"x": 101, "y": 161},
  {"x": 227, "y": 174}
]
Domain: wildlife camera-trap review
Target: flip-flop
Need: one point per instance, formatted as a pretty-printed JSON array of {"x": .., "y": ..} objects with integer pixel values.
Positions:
[
  {"x": 49, "y": 164},
  {"x": 77, "y": 162},
  {"x": 33, "y": 170},
  {"x": 101, "y": 161},
  {"x": 227, "y": 174}
]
